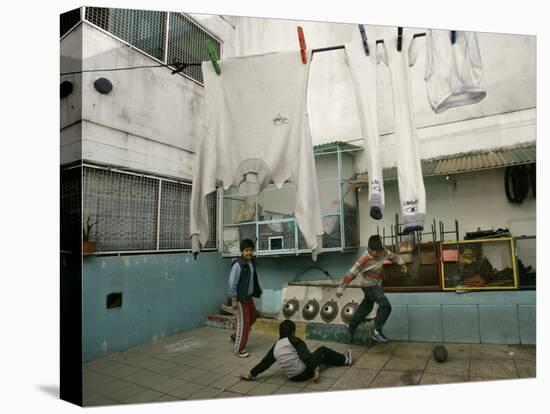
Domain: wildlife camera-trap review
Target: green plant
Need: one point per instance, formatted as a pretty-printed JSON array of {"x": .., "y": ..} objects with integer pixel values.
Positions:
[{"x": 87, "y": 228}]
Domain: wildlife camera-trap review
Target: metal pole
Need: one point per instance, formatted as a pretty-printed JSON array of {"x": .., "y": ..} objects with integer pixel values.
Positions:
[
  {"x": 166, "y": 38},
  {"x": 158, "y": 214},
  {"x": 340, "y": 184}
]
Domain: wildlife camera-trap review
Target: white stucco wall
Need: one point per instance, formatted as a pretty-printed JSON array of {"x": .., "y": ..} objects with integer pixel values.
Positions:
[
  {"x": 475, "y": 199},
  {"x": 509, "y": 74}
]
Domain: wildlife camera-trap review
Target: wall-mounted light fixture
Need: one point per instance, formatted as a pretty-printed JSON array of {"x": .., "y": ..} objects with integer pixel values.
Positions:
[
  {"x": 103, "y": 85},
  {"x": 65, "y": 88}
]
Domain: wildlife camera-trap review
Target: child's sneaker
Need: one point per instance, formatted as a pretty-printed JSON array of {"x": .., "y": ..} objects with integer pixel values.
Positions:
[
  {"x": 316, "y": 374},
  {"x": 243, "y": 354},
  {"x": 378, "y": 337},
  {"x": 384, "y": 336},
  {"x": 348, "y": 357},
  {"x": 231, "y": 338}
]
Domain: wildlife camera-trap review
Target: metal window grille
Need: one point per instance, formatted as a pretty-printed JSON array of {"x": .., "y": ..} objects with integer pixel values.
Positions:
[
  {"x": 68, "y": 20},
  {"x": 478, "y": 264},
  {"x": 141, "y": 28},
  {"x": 99, "y": 16},
  {"x": 70, "y": 208},
  {"x": 175, "y": 213},
  {"x": 186, "y": 44},
  {"x": 526, "y": 254},
  {"x": 169, "y": 37},
  {"x": 139, "y": 213},
  {"x": 124, "y": 207}
]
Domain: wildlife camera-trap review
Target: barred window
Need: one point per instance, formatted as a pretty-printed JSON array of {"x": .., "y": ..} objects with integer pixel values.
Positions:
[
  {"x": 139, "y": 213},
  {"x": 70, "y": 207},
  {"x": 170, "y": 37},
  {"x": 186, "y": 44},
  {"x": 68, "y": 20}
]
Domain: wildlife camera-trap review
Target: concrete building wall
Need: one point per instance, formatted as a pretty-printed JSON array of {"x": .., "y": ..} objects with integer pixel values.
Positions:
[
  {"x": 509, "y": 73},
  {"x": 475, "y": 199},
  {"x": 161, "y": 295},
  {"x": 150, "y": 121}
]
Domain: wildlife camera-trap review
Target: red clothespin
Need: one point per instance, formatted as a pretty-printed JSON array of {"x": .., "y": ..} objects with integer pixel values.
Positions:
[{"x": 302, "y": 41}]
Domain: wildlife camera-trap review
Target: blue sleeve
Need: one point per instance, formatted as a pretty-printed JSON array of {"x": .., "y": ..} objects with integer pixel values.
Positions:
[{"x": 234, "y": 276}]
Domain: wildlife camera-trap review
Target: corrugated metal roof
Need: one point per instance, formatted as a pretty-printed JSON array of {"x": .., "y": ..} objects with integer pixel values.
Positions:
[
  {"x": 334, "y": 146},
  {"x": 472, "y": 161}
]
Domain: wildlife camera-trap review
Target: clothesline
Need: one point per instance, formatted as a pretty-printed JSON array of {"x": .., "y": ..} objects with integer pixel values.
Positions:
[{"x": 326, "y": 49}]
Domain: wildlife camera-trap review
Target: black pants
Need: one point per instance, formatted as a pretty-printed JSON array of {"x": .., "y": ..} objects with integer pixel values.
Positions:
[
  {"x": 373, "y": 294},
  {"x": 321, "y": 356}
]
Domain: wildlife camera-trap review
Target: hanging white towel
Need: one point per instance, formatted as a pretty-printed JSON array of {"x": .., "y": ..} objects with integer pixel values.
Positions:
[
  {"x": 453, "y": 72},
  {"x": 363, "y": 74},
  {"x": 412, "y": 194},
  {"x": 256, "y": 131}
]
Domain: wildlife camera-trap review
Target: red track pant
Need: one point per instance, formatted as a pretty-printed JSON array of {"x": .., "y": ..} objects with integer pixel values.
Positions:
[{"x": 249, "y": 317}]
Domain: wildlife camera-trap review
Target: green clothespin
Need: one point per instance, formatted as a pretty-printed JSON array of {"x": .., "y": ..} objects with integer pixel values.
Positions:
[{"x": 213, "y": 56}]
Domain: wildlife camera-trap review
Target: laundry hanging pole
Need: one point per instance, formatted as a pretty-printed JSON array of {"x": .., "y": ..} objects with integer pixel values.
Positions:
[{"x": 326, "y": 49}]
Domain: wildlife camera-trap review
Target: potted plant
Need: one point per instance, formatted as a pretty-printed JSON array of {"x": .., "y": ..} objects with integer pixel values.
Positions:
[{"x": 88, "y": 246}]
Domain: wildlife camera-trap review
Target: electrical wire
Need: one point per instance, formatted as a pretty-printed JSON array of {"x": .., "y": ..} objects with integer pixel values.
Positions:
[{"x": 175, "y": 64}]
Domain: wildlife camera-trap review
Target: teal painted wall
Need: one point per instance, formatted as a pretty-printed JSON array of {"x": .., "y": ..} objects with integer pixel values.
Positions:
[
  {"x": 476, "y": 317},
  {"x": 162, "y": 294},
  {"x": 168, "y": 293},
  {"x": 499, "y": 317}
]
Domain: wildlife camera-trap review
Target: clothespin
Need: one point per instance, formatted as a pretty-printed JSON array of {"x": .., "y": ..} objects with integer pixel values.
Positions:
[
  {"x": 399, "y": 38},
  {"x": 213, "y": 56},
  {"x": 453, "y": 37},
  {"x": 364, "y": 38},
  {"x": 302, "y": 41}
]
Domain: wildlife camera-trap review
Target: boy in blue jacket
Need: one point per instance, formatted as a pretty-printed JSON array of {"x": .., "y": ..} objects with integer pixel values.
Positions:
[{"x": 243, "y": 287}]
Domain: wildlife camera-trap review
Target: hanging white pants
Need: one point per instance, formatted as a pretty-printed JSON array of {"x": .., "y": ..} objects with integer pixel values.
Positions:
[
  {"x": 363, "y": 74},
  {"x": 412, "y": 194}
]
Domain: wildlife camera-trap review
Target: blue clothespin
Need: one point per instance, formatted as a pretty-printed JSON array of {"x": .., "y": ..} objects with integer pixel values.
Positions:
[
  {"x": 453, "y": 37},
  {"x": 399, "y": 38},
  {"x": 364, "y": 38}
]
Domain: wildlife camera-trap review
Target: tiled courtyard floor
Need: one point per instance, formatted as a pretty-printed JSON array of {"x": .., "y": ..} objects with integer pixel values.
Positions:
[{"x": 200, "y": 364}]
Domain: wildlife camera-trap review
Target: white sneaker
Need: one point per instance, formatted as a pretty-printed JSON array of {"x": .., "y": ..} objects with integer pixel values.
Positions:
[
  {"x": 243, "y": 354},
  {"x": 348, "y": 357},
  {"x": 378, "y": 337}
]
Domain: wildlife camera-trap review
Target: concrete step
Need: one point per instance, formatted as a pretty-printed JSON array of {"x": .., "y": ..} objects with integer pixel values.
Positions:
[{"x": 304, "y": 330}]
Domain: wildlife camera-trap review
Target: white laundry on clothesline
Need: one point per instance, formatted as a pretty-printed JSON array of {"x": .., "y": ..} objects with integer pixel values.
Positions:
[{"x": 256, "y": 131}]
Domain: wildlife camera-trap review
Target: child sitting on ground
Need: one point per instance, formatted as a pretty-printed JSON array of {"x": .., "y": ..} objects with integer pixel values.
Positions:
[{"x": 294, "y": 357}]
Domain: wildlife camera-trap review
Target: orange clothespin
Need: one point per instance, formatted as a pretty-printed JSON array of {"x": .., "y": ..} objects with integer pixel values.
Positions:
[{"x": 302, "y": 41}]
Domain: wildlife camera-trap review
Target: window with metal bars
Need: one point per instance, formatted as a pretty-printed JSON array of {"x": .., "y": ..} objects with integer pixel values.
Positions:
[
  {"x": 139, "y": 213},
  {"x": 68, "y": 20},
  {"x": 70, "y": 208},
  {"x": 170, "y": 37}
]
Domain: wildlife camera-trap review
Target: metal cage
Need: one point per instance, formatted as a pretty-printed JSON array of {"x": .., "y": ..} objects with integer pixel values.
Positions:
[
  {"x": 526, "y": 255},
  {"x": 479, "y": 264}
]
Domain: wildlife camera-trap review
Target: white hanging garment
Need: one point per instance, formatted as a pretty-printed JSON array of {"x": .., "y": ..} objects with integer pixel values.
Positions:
[
  {"x": 453, "y": 72},
  {"x": 363, "y": 75},
  {"x": 256, "y": 131},
  {"x": 412, "y": 194}
]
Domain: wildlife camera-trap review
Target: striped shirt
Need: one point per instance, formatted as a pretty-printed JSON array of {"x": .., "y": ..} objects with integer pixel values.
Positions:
[{"x": 370, "y": 268}]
